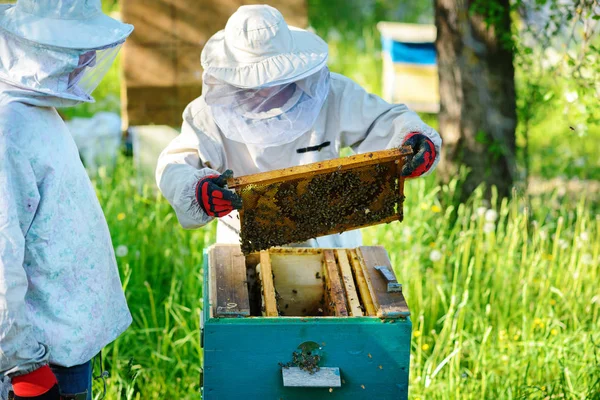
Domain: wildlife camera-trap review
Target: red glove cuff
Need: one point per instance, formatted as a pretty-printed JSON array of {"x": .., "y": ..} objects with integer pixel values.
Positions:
[
  {"x": 34, "y": 383},
  {"x": 428, "y": 156},
  {"x": 202, "y": 194}
]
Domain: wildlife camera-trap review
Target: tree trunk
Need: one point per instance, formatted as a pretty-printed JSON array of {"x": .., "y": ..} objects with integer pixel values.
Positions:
[{"x": 477, "y": 93}]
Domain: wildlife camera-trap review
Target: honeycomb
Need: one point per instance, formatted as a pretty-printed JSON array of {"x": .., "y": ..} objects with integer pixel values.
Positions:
[{"x": 296, "y": 209}]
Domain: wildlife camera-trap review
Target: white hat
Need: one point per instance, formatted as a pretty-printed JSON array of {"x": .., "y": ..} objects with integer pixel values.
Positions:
[
  {"x": 72, "y": 24},
  {"x": 257, "y": 48}
]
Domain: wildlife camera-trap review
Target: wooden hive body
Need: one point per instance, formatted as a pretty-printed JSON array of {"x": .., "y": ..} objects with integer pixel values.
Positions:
[{"x": 262, "y": 331}]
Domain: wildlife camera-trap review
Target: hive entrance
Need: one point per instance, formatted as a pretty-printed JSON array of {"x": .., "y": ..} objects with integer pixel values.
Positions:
[{"x": 296, "y": 204}]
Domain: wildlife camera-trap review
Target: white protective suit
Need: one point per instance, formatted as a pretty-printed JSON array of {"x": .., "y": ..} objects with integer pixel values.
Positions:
[
  {"x": 350, "y": 117},
  {"x": 262, "y": 82},
  {"x": 61, "y": 299}
]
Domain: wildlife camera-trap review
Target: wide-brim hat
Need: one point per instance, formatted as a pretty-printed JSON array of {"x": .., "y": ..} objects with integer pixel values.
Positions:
[
  {"x": 72, "y": 24},
  {"x": 257, "y": 48}
]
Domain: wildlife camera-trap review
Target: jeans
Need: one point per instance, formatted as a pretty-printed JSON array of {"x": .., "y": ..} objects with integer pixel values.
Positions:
[{"x": 75, "y": 380}]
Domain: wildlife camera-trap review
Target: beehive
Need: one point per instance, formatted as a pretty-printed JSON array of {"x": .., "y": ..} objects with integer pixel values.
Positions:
[
  {"x": 296, "y": 204},
  {"x": 297, "y": 323}
]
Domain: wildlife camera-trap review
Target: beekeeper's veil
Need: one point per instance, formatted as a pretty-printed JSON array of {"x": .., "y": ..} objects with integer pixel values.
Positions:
[
  {"x": 265, "y": 81},
  {"x": 62, "y": 48}
]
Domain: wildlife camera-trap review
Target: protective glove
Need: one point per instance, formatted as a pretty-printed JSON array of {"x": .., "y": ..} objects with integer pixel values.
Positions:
[
  {"x": 40, "y": 384},
  {"x": 423, "y": 155},
  {"x": 214, "y": 198}
]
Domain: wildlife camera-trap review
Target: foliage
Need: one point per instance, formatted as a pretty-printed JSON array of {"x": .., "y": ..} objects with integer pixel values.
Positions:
[
  {"x": 558, "y": 69},
  {"x": 504, "y": 305}
]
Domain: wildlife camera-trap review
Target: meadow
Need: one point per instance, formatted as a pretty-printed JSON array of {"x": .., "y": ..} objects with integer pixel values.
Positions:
[{"x": 504, "y": 294}]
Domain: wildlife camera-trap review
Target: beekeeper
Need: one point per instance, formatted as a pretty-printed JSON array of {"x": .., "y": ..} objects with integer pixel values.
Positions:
[
  {"x": 270, "y": 102},
  {"x": 61, "y": 299}
]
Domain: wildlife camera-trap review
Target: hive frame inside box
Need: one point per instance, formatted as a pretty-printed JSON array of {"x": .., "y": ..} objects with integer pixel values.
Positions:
[
  {"x": 368, "y": 354},
  {"x": 279, "y": 228},
  {"x": 302, "y": 282}
]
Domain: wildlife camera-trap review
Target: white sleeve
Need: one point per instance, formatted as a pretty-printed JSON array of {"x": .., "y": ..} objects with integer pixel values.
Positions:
[
  {"x": 20, "y": 352},
  {"x": 181, "y": 165},
  {"x": 368, "y": 123}
]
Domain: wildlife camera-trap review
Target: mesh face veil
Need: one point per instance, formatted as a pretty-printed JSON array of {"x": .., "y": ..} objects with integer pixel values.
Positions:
[
  {"x": 267, "y": 116},
  {"x": 66, "y": 73}
]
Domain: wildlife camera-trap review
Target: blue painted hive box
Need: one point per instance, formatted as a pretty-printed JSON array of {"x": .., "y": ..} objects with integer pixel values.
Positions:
[{"x": 300, "y": 323}]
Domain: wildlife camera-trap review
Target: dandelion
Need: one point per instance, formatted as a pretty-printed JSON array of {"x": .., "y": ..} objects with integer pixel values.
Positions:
[
  {"x": 480, "y": 212},
  {"x": 491, "y": 215},
  {"x": 432, "y": 245},
  {"x": 587, "y": 259},
  {"x": 502, "y": 335},
  {"x": 435, "y": 255},
  {"x": 516, "y": 337},
  {"x": 571, "y": 96},
  {"x": 425, "y": 347},
  {"x": 552, "y": 302},
  {"x": 416, "y": 334},
  {"x": 121, "y": 250},
  {"x": 554, "y": 332},
  {"x": 489, "y": 227},
  {"x": 121, "y": 216},
  {"x": 436, "y": 209},
  {"x": 538, "y": 323}
]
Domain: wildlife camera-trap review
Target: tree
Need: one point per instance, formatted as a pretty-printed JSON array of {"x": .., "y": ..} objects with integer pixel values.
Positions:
[{"x": 477, "y": 116}]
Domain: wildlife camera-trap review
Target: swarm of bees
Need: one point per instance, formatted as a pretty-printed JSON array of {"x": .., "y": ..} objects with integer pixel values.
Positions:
[
  {"x": 298, "y": 210},
  {"x": 306, "y": 361}
]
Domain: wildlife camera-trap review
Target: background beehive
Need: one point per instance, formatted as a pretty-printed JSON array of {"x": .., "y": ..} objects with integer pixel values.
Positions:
[{"x": 161, "y": 58}]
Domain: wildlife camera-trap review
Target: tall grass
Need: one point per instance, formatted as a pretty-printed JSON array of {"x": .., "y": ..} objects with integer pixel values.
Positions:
[
  {"x": 161, "y": 269},
  {"x": 505, "y": 300}
]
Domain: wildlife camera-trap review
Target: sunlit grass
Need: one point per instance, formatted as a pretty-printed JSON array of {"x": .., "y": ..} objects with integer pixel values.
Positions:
[{"x": 505, "y": 299}]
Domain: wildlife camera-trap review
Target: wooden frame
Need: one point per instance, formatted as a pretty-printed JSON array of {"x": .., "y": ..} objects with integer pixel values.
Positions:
[
  {"x": 355, "y": 309},
  {"x": 228, "y": 284},
  {"x": 304, "y": 174},
  {"x": 387, "y": 304},
  {"x": 321, "y": 167},
  {"x": 268, "y": 288}
]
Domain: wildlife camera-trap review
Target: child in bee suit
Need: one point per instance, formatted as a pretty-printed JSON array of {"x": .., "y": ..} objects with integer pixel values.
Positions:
[
  {"x": 61, "y": 299},
  {"x": 270, "y": 102}
]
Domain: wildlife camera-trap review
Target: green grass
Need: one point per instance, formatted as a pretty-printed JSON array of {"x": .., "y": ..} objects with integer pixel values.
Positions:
[{"x": 502, "y": 308}]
